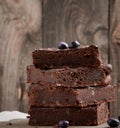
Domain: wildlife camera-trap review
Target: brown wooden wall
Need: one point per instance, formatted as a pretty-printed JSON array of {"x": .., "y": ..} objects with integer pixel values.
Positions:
[{"x": 29, "y": 24}]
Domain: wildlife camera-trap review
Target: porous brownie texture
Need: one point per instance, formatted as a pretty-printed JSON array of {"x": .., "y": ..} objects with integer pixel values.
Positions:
[
  {"x": 92, "y": 115},
  {"x": 51, "y": 96},
  {"x": 70, "y": 77},
  {"x": 55, "y": 58}
]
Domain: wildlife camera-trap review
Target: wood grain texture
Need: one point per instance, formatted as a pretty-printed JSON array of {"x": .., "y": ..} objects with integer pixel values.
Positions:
[
  {"x": 19, "y": 35},
  {"x": 115, "y": 51},
  {"x": 29, "y": 24},
  {"x": 23, "y": 123},
  {"x": 82, "y": 20}
]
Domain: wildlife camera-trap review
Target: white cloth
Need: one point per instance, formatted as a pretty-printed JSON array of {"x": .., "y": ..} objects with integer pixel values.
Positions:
[{"x": 9, "y": 115}]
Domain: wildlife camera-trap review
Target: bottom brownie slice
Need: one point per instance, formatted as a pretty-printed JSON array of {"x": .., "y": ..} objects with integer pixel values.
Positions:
[{"x": 92, "y": 115}]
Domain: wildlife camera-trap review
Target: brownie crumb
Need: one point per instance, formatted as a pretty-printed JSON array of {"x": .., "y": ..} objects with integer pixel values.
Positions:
[{"x": 9, "y": 123}]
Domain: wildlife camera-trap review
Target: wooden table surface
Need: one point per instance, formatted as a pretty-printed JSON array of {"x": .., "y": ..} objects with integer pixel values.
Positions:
[{"x": 22, "y": 123}]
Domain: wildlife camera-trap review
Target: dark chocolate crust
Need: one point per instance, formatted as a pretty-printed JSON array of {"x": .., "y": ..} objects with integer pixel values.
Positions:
[
  {"x": 56, "y": 58},
  {"x": 70, "y": 77},
  {"x": 92, "y": 115},
  {"x": 48, "y": 96}
]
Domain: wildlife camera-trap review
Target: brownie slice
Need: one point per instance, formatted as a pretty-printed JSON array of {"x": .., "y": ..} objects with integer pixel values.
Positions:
[
  {"x": 72, "y": 77},
  {"x": 48, "y": 96},
  {"x": 55, "y": 58},
  {"x": 92, "y": 115}
]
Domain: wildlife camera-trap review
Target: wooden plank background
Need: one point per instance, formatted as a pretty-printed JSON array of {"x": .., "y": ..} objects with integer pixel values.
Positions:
[
  {"x": 114, "y": 55},
  {"x": 29, "y": 24}
]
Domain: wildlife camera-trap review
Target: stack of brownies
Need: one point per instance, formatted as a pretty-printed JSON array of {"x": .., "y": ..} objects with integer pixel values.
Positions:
[{"x": 69, "y": 84}]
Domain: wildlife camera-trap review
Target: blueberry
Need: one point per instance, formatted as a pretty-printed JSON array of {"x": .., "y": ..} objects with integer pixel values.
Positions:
[
  {"x": 112, "y": 122},
  {"x": 119, "y": 118},
  {"x": 110, "y": 66},
  {"x": 63, "y": 124},
  {"x": 74, "y": 44},
  {"x": 63, "y": 45}
]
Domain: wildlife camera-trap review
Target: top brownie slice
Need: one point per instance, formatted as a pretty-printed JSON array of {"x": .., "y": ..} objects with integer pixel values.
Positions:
[{"x": 55, "y": 58}]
